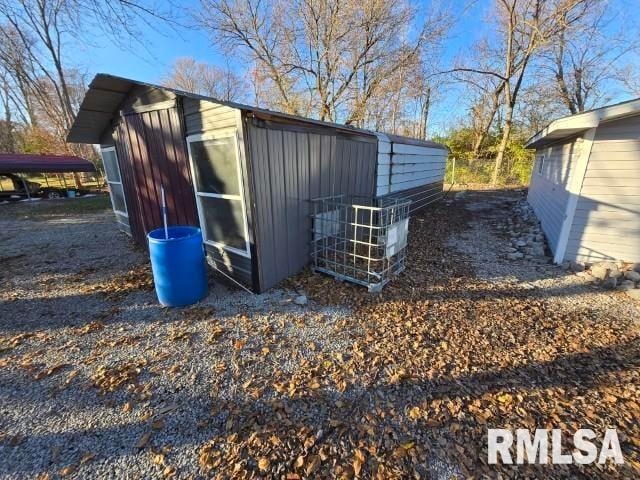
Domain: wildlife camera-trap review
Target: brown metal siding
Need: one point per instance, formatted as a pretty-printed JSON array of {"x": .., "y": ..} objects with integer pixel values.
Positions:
[
  {"x": 152, "y": 152},
  {"x": 291, "y": 166}
]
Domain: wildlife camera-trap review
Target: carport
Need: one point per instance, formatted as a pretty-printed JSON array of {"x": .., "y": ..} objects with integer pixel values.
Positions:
[{"x": 20, "y": 163}]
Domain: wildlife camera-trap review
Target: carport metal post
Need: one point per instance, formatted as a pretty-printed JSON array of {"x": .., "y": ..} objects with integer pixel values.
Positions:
[{"x": 26, "y": 187}]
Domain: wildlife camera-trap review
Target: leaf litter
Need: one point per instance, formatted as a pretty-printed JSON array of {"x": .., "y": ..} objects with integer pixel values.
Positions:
[{"x": 355, "y": 385}]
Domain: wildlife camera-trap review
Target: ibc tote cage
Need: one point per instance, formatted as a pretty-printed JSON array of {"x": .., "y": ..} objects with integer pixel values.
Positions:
[{"x": 359, "y": 239}]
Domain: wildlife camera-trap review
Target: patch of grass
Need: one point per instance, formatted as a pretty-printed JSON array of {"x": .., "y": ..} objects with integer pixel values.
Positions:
[{"x": 63, "y": 207}]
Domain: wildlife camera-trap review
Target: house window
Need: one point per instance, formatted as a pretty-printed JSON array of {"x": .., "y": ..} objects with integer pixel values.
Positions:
[
  {"x": 540, "y": 164},
  {"x": 112, "y": 171},
  {"x": 217, "y": 183}
]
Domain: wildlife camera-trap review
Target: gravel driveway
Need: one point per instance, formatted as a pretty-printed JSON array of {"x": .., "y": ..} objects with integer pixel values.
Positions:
[{"x": 97, "y": 380}]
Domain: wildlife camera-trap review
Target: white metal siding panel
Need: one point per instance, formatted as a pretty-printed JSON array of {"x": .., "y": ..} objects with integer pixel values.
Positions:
[
  {"x": 403, "y": 167},
  {"x": 607, "y": 219},
  {"x": 548, "y": 191}
]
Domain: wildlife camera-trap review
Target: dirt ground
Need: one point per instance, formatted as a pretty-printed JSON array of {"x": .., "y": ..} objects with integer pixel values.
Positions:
[{"x": 97, "y": 380}]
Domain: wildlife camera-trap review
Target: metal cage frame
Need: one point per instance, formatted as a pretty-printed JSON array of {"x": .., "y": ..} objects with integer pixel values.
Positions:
[{"x": 358, "y": 239}]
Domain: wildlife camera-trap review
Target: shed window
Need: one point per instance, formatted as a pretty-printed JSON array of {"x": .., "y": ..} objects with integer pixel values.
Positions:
[
  {"x": 540, "y": 164},
  {"x": 218, "y": 186},
  {"x": 111, "y": 169},
  {"x": 215, "y": 167}
]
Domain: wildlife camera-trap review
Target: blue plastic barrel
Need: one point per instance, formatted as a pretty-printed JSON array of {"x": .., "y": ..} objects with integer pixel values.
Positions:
[{"x": 178, "y": 264}]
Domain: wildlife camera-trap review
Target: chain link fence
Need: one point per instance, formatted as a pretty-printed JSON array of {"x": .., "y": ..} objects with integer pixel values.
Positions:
[{"x": 463, "y": 171}]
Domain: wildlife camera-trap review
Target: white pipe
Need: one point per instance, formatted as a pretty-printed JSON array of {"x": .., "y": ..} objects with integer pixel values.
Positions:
[{"x": 164, "y": 213}]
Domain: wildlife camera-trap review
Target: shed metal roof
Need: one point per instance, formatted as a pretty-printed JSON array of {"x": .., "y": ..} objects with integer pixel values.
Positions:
[
  {"x": 106, "y": 93},
  {"x": 24, "y": 162},
  {"x": 574, "y": 124}
]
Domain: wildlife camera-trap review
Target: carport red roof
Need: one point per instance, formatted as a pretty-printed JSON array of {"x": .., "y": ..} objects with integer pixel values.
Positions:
[{"x": 25, "y": 162}]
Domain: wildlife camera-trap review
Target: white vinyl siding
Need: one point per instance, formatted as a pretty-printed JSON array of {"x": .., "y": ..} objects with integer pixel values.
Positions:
[
  {"x": 607, "y": 218},
  {"x": 548, "y": 190}
]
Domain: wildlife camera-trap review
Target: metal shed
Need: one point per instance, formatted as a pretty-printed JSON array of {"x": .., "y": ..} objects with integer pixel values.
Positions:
[
  {"x": 585, "y": 185},
  {"x": 245, "y": 175}
]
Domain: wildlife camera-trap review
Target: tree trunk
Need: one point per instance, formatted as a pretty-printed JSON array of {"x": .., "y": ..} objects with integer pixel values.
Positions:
[
  {"x": 8, "y": 140},
  {"x": 424, "y": 114},
  {"x": 503, "y": 145}
]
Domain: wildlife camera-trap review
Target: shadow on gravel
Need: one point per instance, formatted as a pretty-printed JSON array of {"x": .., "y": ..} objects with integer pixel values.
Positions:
[{"x": 214, "y": 419}]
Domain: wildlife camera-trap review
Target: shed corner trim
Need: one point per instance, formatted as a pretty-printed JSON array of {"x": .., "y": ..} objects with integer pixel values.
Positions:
[{"x": 574, "y": 193}]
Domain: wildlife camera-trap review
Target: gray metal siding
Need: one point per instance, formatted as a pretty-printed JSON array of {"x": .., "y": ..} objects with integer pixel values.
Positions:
[
  {"x": 144, "y": 96},
  {"x": 230, "y": 263},
  {"x": 548, "y": 191},
  {"x": 203, "y": 116},
  {"x": 607, "y": 219},
  {"x": 290, "y": 166}
]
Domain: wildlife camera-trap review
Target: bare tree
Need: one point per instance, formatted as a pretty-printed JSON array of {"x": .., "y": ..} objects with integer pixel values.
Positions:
[
  {"x": 43, "y": 89},
  {"x": 7, "y": 142},
  {"x": 629, "y": 77},
  {"x": 326, "y": 58},
  {"x": 192, "y": 76},
  {"x": 582, "y": 58},
  {"x": 486, "y": 90},
  {"x": 524, "y": 28}
]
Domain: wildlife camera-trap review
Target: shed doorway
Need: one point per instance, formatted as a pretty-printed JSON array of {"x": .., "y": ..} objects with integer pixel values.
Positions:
[{"x": 217, "y": 181}]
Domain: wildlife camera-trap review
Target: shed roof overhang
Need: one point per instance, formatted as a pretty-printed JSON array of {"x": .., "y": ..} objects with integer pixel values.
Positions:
[
  {"x": 106, "y": 93},
  {"x": 575, "y": 124},
  {"x": 24, "y": 162}
]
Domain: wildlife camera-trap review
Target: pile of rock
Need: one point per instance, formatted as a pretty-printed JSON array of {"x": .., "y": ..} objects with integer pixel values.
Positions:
[
  {"x": 525, "y": 233},
  {"x": 616, "y": 275}
]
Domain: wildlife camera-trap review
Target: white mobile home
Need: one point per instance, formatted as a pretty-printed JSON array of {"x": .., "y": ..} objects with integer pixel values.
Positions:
[{"x": 585, "y": 185}]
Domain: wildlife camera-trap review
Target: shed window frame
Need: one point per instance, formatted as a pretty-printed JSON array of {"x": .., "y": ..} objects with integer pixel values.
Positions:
[
  {"x": 115, "y": 182},
  {"x": 540, "y": 165},
  {"x": 221, "y": 135}
]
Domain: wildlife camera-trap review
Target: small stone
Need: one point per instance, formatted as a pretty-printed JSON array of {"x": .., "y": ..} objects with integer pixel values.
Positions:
[
  {"x": 587, "y": 276},
  {"x": 577, "y": 266},
  {"x": 610, "y": 283},
  {"x": 539, "y": 251},
  {"x": 460, "y": 194},
  {"x": 632, "y": 275},
  {"x": 301, "y": 300},
  {"x": 515, "y": 256},
  {"x": 615, "y": 273},
  {"x": 635, "y": 293},
  {"x": 521, "y": 243},
  {"x": 599, "y": 271},
  {"x": 540, "y": 237},
  {"x": 626, "y": 285}
]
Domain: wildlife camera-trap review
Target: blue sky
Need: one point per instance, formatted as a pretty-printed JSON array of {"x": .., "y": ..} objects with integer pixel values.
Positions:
[
  {"x": 162, "y": 48},
  {"x": 103, "y": 55}
]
